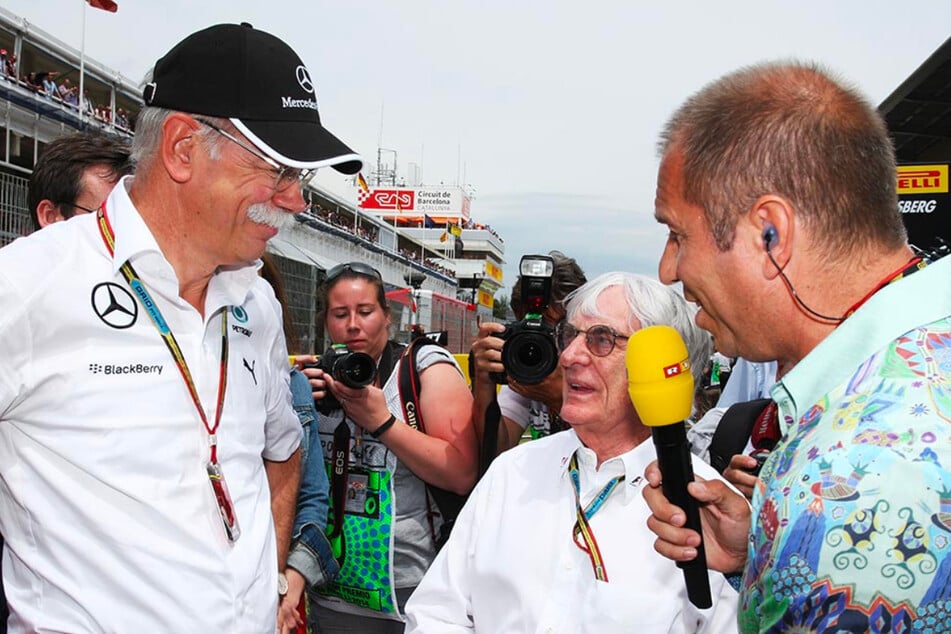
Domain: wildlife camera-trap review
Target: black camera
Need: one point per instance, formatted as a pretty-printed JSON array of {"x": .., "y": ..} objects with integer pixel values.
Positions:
[
  {"x": 760, "y": 455},
  {"x": 353, "y": 369},
  {"x": 529, "y": 353}
]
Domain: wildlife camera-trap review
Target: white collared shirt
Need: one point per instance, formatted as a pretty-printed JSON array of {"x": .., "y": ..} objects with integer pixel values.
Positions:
[
  {"x": 511, "y": 564},
  {"x": 109, "y": 518}
]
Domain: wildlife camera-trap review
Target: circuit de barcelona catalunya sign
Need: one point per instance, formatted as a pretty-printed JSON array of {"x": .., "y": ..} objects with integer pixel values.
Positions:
[{"x": 434, "y": 201}]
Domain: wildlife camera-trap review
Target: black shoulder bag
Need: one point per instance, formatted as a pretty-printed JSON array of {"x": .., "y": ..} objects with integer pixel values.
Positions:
[{"x": 733, "y": 431}]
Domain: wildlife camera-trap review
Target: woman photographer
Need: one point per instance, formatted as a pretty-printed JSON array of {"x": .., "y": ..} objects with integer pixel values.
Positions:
[{"x": 380, "y": 465}]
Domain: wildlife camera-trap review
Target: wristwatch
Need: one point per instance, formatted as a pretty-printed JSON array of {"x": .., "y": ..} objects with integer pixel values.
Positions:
[{"x": 281, "y": 584}]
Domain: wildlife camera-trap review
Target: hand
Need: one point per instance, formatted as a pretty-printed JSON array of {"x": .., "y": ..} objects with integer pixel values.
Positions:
[
  {"x": 487, "y": 350},
  {"x": 549, "y": 391},
  {"x": 318, "y": 383},
  {"x": 724, "y": 515},
  {"x": 288, "y": 617},
  {"x": 365, "y": 406},
  {"x": 738, "y": 473}
]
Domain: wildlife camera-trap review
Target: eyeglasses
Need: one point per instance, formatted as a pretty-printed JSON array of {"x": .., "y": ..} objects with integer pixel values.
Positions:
[
  {"x": 284, "y": 176},
  {"x": 80, "y": 207},
  {"x": 599, "y": 339},
  {"x": 353, "y": 267}
]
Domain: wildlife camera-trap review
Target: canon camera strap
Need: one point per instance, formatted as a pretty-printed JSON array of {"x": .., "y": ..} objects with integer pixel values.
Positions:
[
  {"x": 339, "y": 474},
  {"x": 448, "y": 503},
  {"x": 490, "y": 430}
]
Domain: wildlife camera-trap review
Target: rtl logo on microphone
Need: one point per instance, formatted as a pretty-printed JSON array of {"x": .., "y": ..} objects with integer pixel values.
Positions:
[{"x": 676, "y": 369}]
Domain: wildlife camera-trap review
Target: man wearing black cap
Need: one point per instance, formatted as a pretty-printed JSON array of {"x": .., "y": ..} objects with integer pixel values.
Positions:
[{"x": 144, "y": 374}]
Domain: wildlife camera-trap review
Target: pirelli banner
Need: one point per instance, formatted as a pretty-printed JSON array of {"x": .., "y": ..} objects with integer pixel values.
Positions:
[{"x": 925, "y": 203}]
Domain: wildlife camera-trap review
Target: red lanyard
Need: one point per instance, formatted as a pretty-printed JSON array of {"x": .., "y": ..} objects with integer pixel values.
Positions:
[
  {"x": 216, "y": 477},
  {"x": 108, "y": 237},
  {"x": 913, "y": 265},
  {"x": 766, "y": 432},
  {"x": 582, "y": 528}
]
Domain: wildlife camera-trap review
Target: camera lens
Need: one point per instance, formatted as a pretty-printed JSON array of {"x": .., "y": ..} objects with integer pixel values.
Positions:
[
  {"x": 529, "y": 354},
  {"x": 529, "y": 357},
  {"x": 354, "y": 369}
]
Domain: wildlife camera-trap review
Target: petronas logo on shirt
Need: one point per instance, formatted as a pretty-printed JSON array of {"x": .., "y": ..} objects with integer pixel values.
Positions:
[{"x": 240, "y": 314}]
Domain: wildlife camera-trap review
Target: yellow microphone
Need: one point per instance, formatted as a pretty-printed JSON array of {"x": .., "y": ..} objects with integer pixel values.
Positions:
[
  {"x": 659, "y": 379},
  {"x": 660, "y": 384}
]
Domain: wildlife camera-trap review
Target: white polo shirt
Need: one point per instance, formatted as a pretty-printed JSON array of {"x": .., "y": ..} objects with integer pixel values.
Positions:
[{"x": 109, "y": 518}]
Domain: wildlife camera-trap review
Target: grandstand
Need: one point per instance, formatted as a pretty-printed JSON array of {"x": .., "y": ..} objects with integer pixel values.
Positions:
[{"x": 39, "y": 97}]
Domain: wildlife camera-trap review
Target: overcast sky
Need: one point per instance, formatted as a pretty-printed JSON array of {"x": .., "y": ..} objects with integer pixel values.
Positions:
[{"x": 549, "y": 109}]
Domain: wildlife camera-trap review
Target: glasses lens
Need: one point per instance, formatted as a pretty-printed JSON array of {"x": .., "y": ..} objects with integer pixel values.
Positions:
[
  {"x": 564, "y": 335},
  {"x": 600, "y": 340},
  {"x": 287, "y": 176},
  {"x": 284, "y": 176}
]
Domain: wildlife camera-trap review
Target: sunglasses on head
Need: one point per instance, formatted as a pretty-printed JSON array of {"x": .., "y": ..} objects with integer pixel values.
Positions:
[{"x": 358, "y": 268}]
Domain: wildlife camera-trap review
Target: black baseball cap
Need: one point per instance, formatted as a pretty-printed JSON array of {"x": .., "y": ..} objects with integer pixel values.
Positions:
[{"x": 257, "y": 81}]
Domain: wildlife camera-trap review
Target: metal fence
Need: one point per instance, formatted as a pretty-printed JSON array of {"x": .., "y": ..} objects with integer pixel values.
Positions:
[
  {"x": 300, "y": 287},
  {"x": 14, "y": 213}
]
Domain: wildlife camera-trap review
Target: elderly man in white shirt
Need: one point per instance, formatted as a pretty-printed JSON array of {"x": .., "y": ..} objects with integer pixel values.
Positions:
[
  {"x": 517, "y": 560},
  {"x": 149, "y": 455}
]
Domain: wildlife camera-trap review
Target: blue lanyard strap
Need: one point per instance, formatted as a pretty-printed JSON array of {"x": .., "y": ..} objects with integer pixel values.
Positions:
[
  {"x": 135, "y": 283},
  {"x": 582, "y": 528}
]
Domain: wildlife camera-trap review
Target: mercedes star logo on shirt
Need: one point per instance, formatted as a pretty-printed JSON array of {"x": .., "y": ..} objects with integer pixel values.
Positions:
[{"x": 114, "y": 305}]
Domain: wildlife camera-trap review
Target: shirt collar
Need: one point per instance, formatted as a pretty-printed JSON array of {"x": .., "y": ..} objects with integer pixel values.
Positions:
[
  {"x": 891, "y": 312},
  {"x": 631, "y": 463},
  {"x": 135, "y": 243},
  {"x": 132, "y": 235}
]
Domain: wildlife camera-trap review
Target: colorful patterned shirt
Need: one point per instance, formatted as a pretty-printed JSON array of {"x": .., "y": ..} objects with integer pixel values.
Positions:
[{"x": 852, "y": 528}]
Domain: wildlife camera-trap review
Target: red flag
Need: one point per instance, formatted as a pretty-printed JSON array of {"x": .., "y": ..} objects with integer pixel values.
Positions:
[{"x": 105, "y": 5}]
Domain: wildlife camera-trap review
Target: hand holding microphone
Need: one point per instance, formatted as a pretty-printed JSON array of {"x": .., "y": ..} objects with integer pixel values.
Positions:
[{"x": 660, "y": 385}]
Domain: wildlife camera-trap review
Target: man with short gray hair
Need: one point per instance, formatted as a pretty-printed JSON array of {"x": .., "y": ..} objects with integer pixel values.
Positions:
[{"x": 144, "y": 374}]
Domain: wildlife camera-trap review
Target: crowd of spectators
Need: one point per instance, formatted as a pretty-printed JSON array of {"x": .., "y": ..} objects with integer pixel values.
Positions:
[
  {"x": 9, "y": 63},
  {"x": 468, "y": 224},
  {"x": 369, "y": 233},
  {"x": 429, "y": 263},
  {"x": 338, "y": 219},
  {"x": 432, "y": 264},
  {"x": 45, "y": 84},
  {"x": 409, "y": 254}
]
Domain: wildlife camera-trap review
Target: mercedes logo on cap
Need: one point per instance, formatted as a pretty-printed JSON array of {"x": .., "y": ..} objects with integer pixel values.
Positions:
[
  {"x": 303, "y": 78},
  {"x": 114, "y": 305}
]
